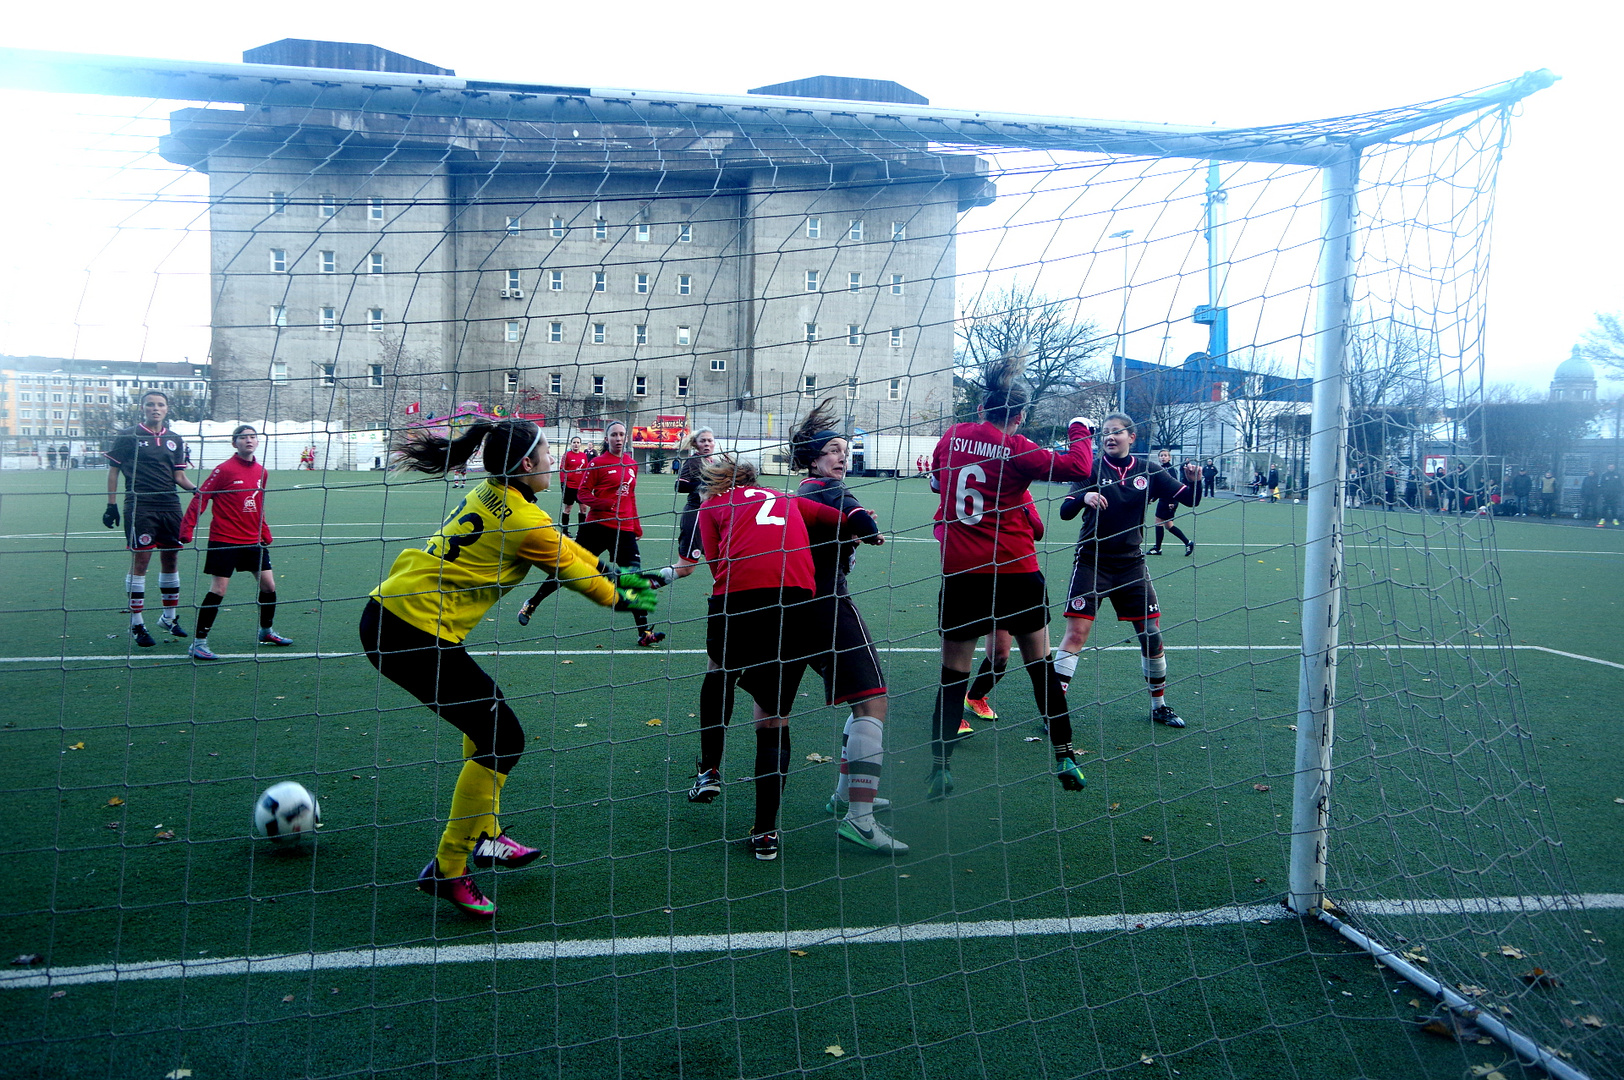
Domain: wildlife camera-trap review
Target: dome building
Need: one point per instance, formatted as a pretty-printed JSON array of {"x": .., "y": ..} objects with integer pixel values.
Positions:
[{"x": 1574, "y": 380}]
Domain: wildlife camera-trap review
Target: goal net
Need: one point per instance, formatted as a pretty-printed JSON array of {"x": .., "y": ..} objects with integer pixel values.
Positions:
[{"x": 339, "y": 258}]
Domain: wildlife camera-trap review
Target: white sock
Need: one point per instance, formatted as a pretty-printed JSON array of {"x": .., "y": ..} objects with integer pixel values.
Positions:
[
  {"x": 865, "y": 752},
  {"x": 843, "y": 784}
]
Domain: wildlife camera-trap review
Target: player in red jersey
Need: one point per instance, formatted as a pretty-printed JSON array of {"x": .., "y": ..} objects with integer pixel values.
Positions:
[
  {"x": 996, "y": 659},
  {"x": 611, "y": 528},
  {"x": 756, "y": 543},
  {"x": 991, "y": 578},
  {"x": 239, "y": 538},
  {"x": 571, "y": 472}
]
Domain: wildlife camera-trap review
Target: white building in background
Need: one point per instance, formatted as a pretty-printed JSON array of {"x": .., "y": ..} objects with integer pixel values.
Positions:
[{"x": 363, "y": 262}]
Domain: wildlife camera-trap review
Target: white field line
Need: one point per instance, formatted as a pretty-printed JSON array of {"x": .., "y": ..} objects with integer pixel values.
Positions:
[
  {"x": 278, "y": 655},
  {"x": 745, "y": 943}
]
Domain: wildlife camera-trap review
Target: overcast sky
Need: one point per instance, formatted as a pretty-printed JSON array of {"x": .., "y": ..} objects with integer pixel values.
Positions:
[{"x": 1558, "y": 231}]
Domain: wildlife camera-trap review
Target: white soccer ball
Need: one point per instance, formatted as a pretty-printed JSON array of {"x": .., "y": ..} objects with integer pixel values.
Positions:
[
  {"x": 285, "y": 812},
  {"x": 1296, "y": 500}
]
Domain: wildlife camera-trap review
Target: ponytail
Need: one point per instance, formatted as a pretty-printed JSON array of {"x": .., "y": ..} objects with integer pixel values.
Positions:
[
  {"x": 507, "y": 443},
  {"x": 807, "y": 441}
]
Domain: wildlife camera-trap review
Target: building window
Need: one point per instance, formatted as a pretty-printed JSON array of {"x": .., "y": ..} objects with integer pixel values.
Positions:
[
  {"x": 329, "y": 205},
  {"x": 555, "y": 332},
  {"x": 684, "y": 336},
  {"x": 375, "y": 375},
  {"x": 329, "y": 319},
  {"x": 809, "y": 385},
  {"x": 329, "y": 262},
  {"x": 851, "y": 387},
  {"x": 556, "y": 226},
  {"x": 514, "y": 226},
  {"x": 718, "y": 363},
  {"x": 279, "y": 261},
  {"x": 375, "y": 209},
  {"x": 640, "y": 386},
  {"x": 375, "y": 263},
  {"x": 811, "y": 281},
  {"x": 642, "y": 233},
  {"x": 600, "y": 229},
  {"x": 328, "y": 376},
  {"x": 511, "y": 331},
  {"x": 811, "y": 331},
  {"x": 894, "y": 391},
  {"x": 814, "y": 228},
  {"x": 854, "y": 231},
  {"x": 685, "y": 233},
  {"x": 510, "y": 381},
  {"x": 896, "y": 337},
  {"x": 642, "y": 283},
  {"x": 597, "y": 385},
  {"x": 279, "y": 317},
  {"x": 101, "y": 399},
  {"x": 642, "y": 334},
  {"x": 600, "y": 281},
  {"x": 685, "y": 284},
  {"x": 555, "y": 384},
  {"x": 555, "y": 280},
  {"x": 854, "y": 282},
  {"x": 513, "y": 281},
  {"x": 25, "y": 414},
  {"x": 279, "y": 202},
  {"x": 854, "y": 334},
  {"x": 899, "y": 230},
  {"x": 599, "y": 333},
  {"x": 682, "y": 386},
  {"x": 375, "y": 320}
]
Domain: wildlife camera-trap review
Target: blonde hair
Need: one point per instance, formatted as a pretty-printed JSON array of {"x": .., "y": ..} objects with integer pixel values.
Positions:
[
  {"x": 691, "y": 443},
  {"x": 724, "y": 474}
]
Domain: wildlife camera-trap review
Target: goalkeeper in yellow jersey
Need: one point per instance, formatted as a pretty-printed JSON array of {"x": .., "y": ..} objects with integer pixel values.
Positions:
[{"x": 415, "y": 623}]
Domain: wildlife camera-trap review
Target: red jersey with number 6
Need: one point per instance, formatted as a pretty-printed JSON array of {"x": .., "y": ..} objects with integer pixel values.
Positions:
[
  {"x": 983, "y": 475},
  {"x": 755, "y": 538}
]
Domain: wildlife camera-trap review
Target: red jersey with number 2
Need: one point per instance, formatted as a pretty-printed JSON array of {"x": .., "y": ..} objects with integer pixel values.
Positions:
[
  {"x": 983, "y": 475},
  {"x": 755, "y": 538}
]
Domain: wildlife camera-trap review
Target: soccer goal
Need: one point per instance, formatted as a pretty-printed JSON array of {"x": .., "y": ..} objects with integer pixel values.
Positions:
[{"x": 1347, "y": 859}]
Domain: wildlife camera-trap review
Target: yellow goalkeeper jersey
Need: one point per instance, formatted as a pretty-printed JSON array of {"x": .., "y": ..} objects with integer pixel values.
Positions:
[{"x": 485, "y": 548}]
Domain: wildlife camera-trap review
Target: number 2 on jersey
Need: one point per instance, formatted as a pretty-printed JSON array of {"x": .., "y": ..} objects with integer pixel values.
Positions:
[
  {"x": 765, "y": 515},
  {"x": 969, "y": 503}
]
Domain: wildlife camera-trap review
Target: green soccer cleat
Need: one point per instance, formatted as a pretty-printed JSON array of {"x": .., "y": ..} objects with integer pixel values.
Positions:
[
  {"x": 874, "y": 837},
  {"x": 1070, "y": 774},
  {"x": 460, "y": 891},
  {"x": 939, "y": 784}
]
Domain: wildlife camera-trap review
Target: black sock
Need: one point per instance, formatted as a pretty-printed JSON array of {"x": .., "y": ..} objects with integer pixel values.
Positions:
[
  {"x": 715, "y": 713},
  {"x": 1051, "y": 701},
  {"x": 1174, "y": 529},
  {"x": 641, "y": 619},
  {"x": 1158, "y": 538},
  {"x": 772, "y": 769},
  {"x": 987, "y": 676},
  {"x": 206, "y": 613},
  {"x": 948, "y": 714},
  {"x": 543, "y": 591},
  {"x": 267, "y": 609}
]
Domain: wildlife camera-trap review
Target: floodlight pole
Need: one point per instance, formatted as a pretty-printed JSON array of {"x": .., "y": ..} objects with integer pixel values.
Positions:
[{"x": 1322, "y": 554}]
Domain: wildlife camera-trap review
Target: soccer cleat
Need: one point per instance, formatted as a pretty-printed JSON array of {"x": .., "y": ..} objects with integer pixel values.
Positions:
[
  {"x": 965, "y": 730},
  {"x": 1154, "y": 551},
  {"x": 939, "y": 784},
  {"x": 460, "y": 891},
  {"x": 1602, "y": 524},
  {"x": 199, "y": 650},
  {"x": 172, "y": 627},
  {"x": 504, "y": 851},
  {"x": 526, "y": 610},
  {"x": 838, "y": 806},
  {"x": 1189, "y": 548},
  {"x": 875, "y": 838},
  {"x": 981, "y": 708},
  {"x": 1164, "y": 714},
  {"x": 707, "y": 785},
  {"x": 268, "y": 636},
  {"x": 650, "y": 638},
  {"x": 1069, "y": 773},
  {"x": 142, "y": 638},
  {"x": 763, "y": 846}
]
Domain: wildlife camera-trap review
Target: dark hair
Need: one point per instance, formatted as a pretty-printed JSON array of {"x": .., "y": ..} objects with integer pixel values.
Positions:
[
  {"x": 726, "y": 473},
  {"x": 242, "y": 428},
  {"x": 150, "y": 393},
  {"x": 1008, "y": 394},
  {"x": 816, "y": 431},
  {"x": 604, "y": 449},
  {"x": 507, "y": 442}
]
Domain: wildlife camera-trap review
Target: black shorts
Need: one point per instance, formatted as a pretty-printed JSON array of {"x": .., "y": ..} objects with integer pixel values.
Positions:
[
  {"x": 223, "y": 560},
  {"x": 1125, "y": 582},
  {"x": 146, "y": 528},
  {"x": 1165, "y": 510},
  {"x": 974, "y": 605},
  {"x": 759, "y": 638},
  {"x": 618, "y": 545},
  {"x": 688, "y": 546},
  {"x": 848, "y": 661},
  {"x": 570, "y": 497}
]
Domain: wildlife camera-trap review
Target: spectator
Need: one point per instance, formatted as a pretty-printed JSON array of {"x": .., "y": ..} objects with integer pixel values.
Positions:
[
  {"x": 1389, "y": 487},
  {"x": 1549, "y": 488},
  {"x": 1274, "y": 483},
  {"x": 1522, "y": 485},
  {"x": 1412, "y": 490},
  {"x": 1611, "y": 488},
  {"x": 1589, "y": 495},
  {"x": 1209, "y": 478},
  {"x": 1442, "y": 489}
]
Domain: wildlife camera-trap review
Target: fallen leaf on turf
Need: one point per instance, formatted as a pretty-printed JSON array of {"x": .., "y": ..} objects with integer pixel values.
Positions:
[
  {"x": 1148, "y": 839},
  {"x": 1513, "y": 952},
  {"x": 1450, "y": 1026},
  {"x": 1416, "y": 955},
  {"x": 1146, "y": 1059},
  {"x": 59, "y": 994},
  {"x": 112, "y": 824},
  {"x": 334, "y": 990},
  {"x": 167, "y": 834},
  {"x": 797, "y": 952},
  {"x": 353, "y": 776},
  {"x": 1619, "y": 800},
  {"x": 1540, "y": 977},
  {"x": 178, "y": 1074},
  {"x": 834, "y": 1051},
  {"x": 115, "y": 801},
  {"x": 1258, "y": 880},
  {"x": 580, "y": 725},
  {"x": 656, "y": 722},
  {"x": 1488, "y": 1072},
  {"x": 819, "y": 759},
  {"x": 1030, "y": 738},
  {"x": 566, "y": 661},
  {"x": 1116, "y": 806},
  {"x": 1415, "y": 1003},
  {"x": 1291, "y": 727},
  {"x": 1471, "y": 989},
  {"x": 1260, "y": 787},
  {"x": 1592, "y": 1021},
  {"x": 287, "y": 997},
  {"x": 26, "y": 959},
  {"x": 77, "y": 746}
]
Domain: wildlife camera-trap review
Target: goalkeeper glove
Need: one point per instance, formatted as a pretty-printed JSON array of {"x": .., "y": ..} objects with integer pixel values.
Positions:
[
  {"x": 633, "y": 593},
  {"x": 110, "y": 516}
]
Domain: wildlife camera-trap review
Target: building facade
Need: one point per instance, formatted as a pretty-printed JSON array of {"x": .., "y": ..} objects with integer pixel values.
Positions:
[
  {"x": 50, "y": 397},
  {"x": 364, "y": 263}
]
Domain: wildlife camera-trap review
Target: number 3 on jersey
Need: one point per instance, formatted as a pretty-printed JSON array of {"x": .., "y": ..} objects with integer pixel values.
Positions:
[
  {"x": 969, "y": 504},
  {"x": 455, "y": 544},
  {"x": 765, "y": 515}
]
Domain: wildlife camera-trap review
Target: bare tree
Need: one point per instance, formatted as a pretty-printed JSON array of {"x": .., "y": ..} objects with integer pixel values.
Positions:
[
  {"x": 408, "y": 377},
  {"x": 1603, "y": 344},
  {"x": 1252, "y": 410},
  {"x": 1061, "y": 349}
]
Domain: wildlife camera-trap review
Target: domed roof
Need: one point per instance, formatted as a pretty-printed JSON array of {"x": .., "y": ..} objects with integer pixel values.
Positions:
[{"x": 1575, "y": 367}]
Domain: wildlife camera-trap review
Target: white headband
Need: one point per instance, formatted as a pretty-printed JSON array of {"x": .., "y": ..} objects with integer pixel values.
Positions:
[{"x": 533, "y": 444}]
